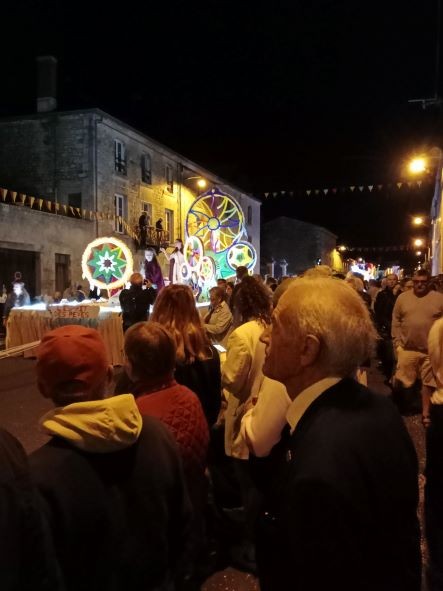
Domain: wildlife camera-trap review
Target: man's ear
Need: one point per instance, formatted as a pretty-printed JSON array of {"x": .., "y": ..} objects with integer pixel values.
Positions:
[{"x": 310, "y": 351}]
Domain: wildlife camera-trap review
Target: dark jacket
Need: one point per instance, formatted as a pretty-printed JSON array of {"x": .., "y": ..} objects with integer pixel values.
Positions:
[
  {"x": 119, "y": 519},
  {"x": 383, "y": 307},
  {"x": 27, "y": 559},
  {"x": 341, "y": 511},
  {"x": 203, "y": 378},
  {"x": 135, "y": 303}
]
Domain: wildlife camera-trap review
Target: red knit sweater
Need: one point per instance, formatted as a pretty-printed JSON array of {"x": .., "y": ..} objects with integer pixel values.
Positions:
[{"x": 181, "y": 411}]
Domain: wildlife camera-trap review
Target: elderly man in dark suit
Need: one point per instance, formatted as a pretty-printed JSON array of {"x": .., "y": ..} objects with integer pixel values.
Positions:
[{"x": 341, "y": 509}]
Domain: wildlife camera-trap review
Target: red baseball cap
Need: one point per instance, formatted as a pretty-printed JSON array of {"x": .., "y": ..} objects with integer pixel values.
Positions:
[{"x": 71, "y": 353}]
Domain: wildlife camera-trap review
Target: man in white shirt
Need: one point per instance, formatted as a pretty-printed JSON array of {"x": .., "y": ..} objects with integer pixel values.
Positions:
[{"x": 341, "y": 495}]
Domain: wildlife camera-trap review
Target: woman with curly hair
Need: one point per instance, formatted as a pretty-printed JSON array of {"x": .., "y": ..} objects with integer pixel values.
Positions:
[
  {"x": 243, "y": 381},
  {"x": 198, "y": 362}
]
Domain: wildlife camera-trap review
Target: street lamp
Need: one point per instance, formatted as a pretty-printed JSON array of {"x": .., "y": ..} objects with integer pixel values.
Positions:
[
  {"x": 418, "y": 242},
  {"x": 417, "y": 165},
  {"x": 418, "y": 221},
  {"x": 435, "y": 249}
]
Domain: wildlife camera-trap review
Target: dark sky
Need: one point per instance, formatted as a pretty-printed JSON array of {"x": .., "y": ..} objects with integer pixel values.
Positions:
[{"x": 271, "y": 95}]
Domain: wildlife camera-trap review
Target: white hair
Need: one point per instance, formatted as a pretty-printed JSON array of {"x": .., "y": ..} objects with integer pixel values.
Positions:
[{"x": 333, "y": 312}]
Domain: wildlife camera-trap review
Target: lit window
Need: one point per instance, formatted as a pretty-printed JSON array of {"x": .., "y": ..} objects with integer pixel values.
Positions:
[
  {"x": 119, "y": 157},
  {"x": 169, "y": 178},
  {"x": 119, "y": 208},
  {"x": 146, "y": 169}
]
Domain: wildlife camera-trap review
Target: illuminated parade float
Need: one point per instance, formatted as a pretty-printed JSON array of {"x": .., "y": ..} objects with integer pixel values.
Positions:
[{"x": 215, "y": 243}]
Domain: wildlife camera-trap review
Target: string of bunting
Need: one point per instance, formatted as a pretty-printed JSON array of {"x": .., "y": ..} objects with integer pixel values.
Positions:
[
  {"x": 402, "y": 247},
  {"x": 348, "y": 189},
  {"x": 55, "y": 207}
]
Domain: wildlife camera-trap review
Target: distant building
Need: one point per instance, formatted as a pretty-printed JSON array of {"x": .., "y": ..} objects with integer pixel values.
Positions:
[
  {"x": 291, "y": 246},
  {"x": 88, "y": 161}
]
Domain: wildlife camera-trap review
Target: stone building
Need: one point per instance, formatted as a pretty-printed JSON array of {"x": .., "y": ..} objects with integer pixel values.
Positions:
[
  {"x": 289, "y": 246},
  {"x": 83, "y": 161}
]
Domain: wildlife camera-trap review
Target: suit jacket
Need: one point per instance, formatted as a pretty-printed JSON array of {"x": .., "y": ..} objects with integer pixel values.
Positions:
[{"x": 341, "y": 510}]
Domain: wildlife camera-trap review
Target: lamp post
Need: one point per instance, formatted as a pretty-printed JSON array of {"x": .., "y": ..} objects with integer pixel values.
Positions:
[{"x": 419, "y": 165}]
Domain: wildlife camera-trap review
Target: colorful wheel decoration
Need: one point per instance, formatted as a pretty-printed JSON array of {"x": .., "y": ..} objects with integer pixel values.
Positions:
[
  {"x": 107, "y": 263},
  {"x": 193, "y": 251},
  {"x": 241, "y": 254},
  {"x": 207, "y": 268},
  {"x": 216, "y": 219}
]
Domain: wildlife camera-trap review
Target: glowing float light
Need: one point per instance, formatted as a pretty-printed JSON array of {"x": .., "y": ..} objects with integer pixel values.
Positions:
[{"x": 107, "y": 263}]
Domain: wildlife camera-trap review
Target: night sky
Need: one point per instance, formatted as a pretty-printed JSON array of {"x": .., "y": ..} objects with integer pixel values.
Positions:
[{"x": 272, "y": 96}]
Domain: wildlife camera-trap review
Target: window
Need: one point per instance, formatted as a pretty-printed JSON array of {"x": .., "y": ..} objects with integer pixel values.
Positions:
[
  {"x": 169, "y": 179},
  {"x": 148, "y": 208},
  {"x": 75, "y": 200},
  {"x": 146, "y": 169},
  {"x": 62, "y": 272},
  {"x": 119, "y": 208},
  {"x": 249, "y": 222},
  {"x": 120, "y": 157},
  {"x": 169, "y": 224}
]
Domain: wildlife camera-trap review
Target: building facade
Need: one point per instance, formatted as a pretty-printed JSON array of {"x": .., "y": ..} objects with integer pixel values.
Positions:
[
  {"x": 69, "y": 164},
  {"x": 290, "y": 246}
]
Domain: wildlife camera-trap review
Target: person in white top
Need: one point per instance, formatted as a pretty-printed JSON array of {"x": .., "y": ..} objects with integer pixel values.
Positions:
[{"x": 176, "y": 260}]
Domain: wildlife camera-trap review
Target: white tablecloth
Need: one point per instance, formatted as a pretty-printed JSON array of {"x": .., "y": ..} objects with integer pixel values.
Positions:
[{"x": 26, "y": 325}]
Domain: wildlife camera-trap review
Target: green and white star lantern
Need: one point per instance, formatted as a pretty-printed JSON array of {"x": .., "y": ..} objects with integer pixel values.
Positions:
[{"x": 107, "y": 263}]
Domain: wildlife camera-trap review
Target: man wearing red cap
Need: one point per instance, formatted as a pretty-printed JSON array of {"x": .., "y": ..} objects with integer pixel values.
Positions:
[{"x": 112, "y": 482}]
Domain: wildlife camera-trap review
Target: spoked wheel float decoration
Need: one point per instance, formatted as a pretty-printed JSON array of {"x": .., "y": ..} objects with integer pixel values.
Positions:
[
  {"x": 215, "y": 245},
  {"x": 107, "y": 263}
]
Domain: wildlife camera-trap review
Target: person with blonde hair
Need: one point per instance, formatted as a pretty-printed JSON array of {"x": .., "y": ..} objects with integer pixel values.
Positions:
[
  {"x": 197, "y": 361},
  {"x": 341, "y": 495}
]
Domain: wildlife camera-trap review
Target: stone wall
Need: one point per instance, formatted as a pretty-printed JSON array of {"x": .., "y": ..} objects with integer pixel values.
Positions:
[
  {"x": 299, "y": 243},
  {"x": 45, "y": 234}
]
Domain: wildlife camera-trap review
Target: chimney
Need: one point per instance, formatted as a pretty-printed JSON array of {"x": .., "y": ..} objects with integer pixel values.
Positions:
[{"x": 46, "y": 83}]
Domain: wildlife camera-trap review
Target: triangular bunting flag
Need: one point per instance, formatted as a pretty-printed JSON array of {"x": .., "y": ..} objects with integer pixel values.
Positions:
[
  {"x": 65, "y": 207},
  {"x": 40, "y": 203},
  {"x": 77, "y": 209},
  {"x": 71, "y": 209},
  {"x": 409, "y": 184},
  {"x": 266, "y": 195},
  {"x": 274, "y": 194},
  {"x": 379, "y": 187},
  {"x": 370, "y": 187},
  {"x": 14, "y": 196},
  {"x": 317, "y": 191},
  {"x": 31, "y": 201},
  {"x": 399, "y": 185},
  {"x": 84, "y": 213},
  {"x": 57, "y": 206},
  {"x": 48, "y": 204},
  {"x": 3, "y": 193},
  {"x": 283, "y": 192},
  {"x": 325, "y": 191},
  {"x": 291, "y": 193},
  {"x": 308, "y": 191},
  {"x": 419, "y": 183},
  {"x": 352, "y": 188},
  {"x": 361, "y": 188},
  {"x": 22, "y": 198}
]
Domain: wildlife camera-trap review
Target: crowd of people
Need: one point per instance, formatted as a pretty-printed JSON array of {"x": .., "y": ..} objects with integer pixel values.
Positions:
[{"x": 244, "y": 436}]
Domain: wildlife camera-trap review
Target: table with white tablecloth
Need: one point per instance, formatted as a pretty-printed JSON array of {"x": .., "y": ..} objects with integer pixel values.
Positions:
[{"x": 29, "y": 323}]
